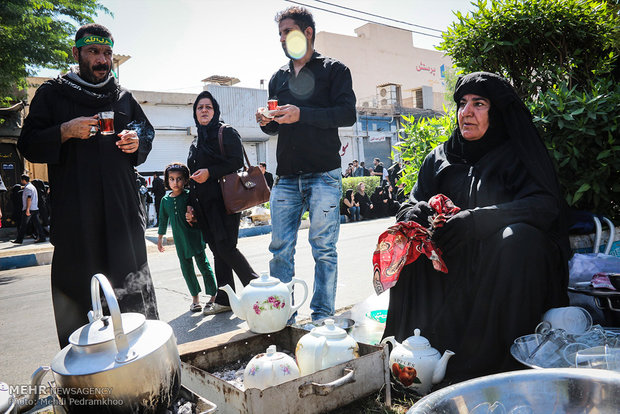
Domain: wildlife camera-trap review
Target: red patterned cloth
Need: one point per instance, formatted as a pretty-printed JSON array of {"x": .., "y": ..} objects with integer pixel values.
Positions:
[{"x": 405, "y": 241}]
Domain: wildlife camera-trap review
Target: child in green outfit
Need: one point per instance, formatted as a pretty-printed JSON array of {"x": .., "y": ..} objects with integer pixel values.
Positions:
[{"x": 187, "y": 240}]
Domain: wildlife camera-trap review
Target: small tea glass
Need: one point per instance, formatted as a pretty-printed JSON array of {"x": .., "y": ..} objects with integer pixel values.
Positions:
[
  {"x": 527, "y": 344},
  {"x": 599, "y": 357},
  {"x": 106, "y": 122},
  {"x": 550, "y": 352}
]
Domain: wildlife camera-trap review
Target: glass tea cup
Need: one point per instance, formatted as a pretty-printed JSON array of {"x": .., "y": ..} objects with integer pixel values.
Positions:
[
  {"x": 573, "y": 319},
  {"x": 526, "y": 344},
  {"x": 599, "y": 357},
  {"x": 550, "y": 352},
  {"x": 570, "y": 352},
  {"x": 106, "y": 122},
  {"x": 272, "y": 104}
]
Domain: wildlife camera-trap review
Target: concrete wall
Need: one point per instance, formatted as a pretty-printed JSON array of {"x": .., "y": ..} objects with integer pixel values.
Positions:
[{"x": 381, "y": 54}]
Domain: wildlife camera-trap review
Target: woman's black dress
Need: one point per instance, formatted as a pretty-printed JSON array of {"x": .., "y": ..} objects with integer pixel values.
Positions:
[
  {"x": 510, "y": 268},
  {"x": 364, "y": 202}
]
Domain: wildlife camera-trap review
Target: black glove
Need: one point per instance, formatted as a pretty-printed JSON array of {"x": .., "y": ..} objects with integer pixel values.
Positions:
[
  {"x": 455, "y": 231},
  {"x": 420, "y": 213}
]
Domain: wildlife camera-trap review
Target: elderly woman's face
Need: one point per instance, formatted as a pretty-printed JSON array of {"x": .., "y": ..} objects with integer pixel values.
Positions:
[
  {"x": 204, "y": 111},
  {"x": 473, "y": 116}
]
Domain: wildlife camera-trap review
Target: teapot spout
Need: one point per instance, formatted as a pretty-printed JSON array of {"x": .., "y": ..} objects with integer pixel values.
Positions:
[
  {"x": 440, "y": 368},
  {"x": 235, "y": 303}
]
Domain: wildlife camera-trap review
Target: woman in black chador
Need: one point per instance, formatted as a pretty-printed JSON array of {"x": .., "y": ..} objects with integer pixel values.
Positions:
[
  {"x": 506, "y": 250},
  {"x": 207, "y": 165}
]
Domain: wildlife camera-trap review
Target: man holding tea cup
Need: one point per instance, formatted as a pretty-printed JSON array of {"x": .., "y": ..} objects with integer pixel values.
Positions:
[
  {"x": 97, "y": 223},
  {"x": 315, "y": 97}
]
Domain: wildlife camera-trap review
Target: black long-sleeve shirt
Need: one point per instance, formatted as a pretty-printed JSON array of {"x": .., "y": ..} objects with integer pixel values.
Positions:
[{"x": 323, "y": 91}]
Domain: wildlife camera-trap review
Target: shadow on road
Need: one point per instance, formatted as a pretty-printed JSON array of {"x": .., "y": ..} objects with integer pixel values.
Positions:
[{"x": 189, "y": 326}]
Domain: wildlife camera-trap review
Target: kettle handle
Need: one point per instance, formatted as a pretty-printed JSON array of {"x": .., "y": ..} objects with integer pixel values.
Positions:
[
  {"x": 124, "y": 354},
  {"x": 289, "y": 285}
]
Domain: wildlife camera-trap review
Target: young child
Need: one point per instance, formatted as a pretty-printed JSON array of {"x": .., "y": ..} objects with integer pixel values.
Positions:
[{"x": 187, "y": 240}]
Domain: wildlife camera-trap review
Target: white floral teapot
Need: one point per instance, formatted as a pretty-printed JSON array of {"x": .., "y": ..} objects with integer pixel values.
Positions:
[
  {"x": 415, "y": 364},
  {"x": 265, "y": 303},
  {"x": 323, "y": 347},
  {"x": 268, "y": 369}
]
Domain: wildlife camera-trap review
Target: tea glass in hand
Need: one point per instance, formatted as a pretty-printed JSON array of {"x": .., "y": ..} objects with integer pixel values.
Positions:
[
  {"x": 573, "y": 319},
  {"x": 106, "y": 122},
  {"x": 272, "y": 104}
]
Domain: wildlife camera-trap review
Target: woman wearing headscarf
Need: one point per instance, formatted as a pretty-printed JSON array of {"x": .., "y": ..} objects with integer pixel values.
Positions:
[
  {"x": 366, "y": 207},
  {"x": 349, "y": 207},
  {"x": 207, "y": 165},
  {"x": 506, "y": 250}
]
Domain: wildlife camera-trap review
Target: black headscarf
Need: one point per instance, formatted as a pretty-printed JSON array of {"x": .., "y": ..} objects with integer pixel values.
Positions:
[
  {"x": 509, "y": 119},
  {"x": 209, "y": 131}
]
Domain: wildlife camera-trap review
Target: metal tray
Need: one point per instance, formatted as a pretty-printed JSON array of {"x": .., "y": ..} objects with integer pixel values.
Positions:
[{"x": 319, "y": 392}]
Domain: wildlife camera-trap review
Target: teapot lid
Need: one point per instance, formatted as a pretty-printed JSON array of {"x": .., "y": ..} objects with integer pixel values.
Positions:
[
  {"x": 264, "y": 280},
  {"x": 272, "y": 354},
  {"x": 329, "y": 330},
  {"x": 416, "y": 341},
  {"x": 102, "y": 330}
]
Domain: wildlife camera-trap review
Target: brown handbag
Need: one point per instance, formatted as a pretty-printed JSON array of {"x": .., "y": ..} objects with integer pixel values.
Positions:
[{"x": 244, "y": 189}]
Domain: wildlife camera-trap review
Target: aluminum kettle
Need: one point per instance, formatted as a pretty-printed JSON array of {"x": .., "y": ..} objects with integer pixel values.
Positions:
[{"x": 120, "y": 362}]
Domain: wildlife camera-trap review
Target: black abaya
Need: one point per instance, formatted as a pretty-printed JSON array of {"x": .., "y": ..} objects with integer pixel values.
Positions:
[
  {"x": 507, "y": 250},
  {"x": 97, "y": 223},
  {"x": 220, "y": 230}
]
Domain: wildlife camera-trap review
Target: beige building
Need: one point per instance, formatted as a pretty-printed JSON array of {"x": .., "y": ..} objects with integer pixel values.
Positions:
[{"x": 387, "y": 69}]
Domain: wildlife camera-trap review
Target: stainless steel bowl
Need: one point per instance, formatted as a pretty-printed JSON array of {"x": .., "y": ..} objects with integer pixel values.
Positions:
[
  {"x": 339, "y": 321},
  {"x": 553, "y": 390}
]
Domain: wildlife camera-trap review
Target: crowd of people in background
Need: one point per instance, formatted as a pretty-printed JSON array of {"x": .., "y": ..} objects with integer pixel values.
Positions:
[{"x": 383, "y": 201}]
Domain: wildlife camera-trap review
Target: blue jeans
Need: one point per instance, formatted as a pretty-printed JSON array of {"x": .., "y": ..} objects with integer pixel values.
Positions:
[
  {"x": 355, "y": 213},
  {"x": 291, "y": 196}
]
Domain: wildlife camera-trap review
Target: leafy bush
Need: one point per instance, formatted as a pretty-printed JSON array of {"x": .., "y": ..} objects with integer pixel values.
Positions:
[
  {"x": 536, "y": 42},
  {"x": 581, "y": 132},
  {"x": 417, "y": 139},
  {"x": 562, "y": 57},
  {"x": 350, "y": 183}
]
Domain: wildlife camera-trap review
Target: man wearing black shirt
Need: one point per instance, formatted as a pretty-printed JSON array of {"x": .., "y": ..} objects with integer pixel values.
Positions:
[
  {"x": 378, "y": 170},
  {"x": 159, "y": 190},
  {"x": 267, "y": 174},
  {"x": 315, "y": 97}
]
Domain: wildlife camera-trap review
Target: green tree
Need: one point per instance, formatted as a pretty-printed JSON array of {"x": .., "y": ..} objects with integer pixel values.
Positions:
[
  {"x": 35, "y": 34},
  {"x": 562, "y": 57},
  {"x": 536, "y": 42}
]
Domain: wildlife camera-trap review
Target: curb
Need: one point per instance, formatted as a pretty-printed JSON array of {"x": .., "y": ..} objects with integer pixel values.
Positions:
[
  {"x": 26, "y": 260},
  {"x": 254, "y": 231}
]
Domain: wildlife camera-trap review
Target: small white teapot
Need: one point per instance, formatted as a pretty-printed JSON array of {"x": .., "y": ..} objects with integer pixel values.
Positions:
[
  {"x": 265, "y": 303},
  {"x": 323, "y": 347},
  {"x": 415, "y": 364},
  {"x": 269, "y": 369}
]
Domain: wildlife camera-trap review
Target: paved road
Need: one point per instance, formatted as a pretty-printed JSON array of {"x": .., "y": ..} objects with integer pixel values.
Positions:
[{"x": 27, "y": 331}]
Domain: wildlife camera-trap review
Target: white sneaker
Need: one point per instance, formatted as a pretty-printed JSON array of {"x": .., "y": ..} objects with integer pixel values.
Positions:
[{"x": 213, "y": 308}]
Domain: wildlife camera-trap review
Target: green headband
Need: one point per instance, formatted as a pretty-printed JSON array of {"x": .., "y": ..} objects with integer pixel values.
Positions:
[{"x": 94, "y": 40}]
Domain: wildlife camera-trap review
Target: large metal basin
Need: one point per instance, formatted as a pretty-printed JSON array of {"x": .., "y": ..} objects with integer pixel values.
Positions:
[{"x": 554, "y": 390}]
